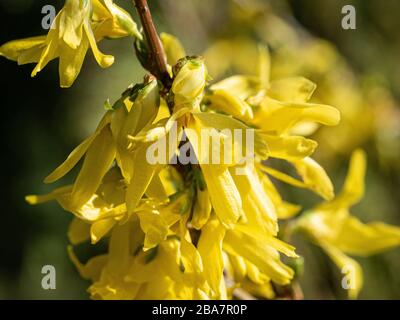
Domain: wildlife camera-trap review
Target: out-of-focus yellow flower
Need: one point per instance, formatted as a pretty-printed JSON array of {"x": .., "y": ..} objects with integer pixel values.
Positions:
[
  {"x": 72, "y": 33},
  {"x": 331, "y": 226},
  {"x": 173, "y": 48}
]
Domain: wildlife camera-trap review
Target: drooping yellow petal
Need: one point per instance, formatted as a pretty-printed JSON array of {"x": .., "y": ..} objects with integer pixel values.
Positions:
[
  {"x": 103, "y": 60},
  {"x": 202, "y": 209},
  {"x": 263, "y": 256},
  {"x": 50, "y": 52},
  {"x": 76, "y": 154},
  {"x": 257, "y": 205},
  {"x": 238, "y": 140},
  {"x": 315, "y": 177},
  {"x": 210, "y": 248},
  {"x": 100, "y": 228},
  {"x": 143, "y": 173},
  {"x": 78, "y": 231},
  {"x": 98, "y": 160},
  {"x": 71, "y": 63},
  {"x": 225, "y": 197},
  {"x": 239, "y": 266},
  {"x": 353, "y": 279},
  {"x": 69, "y": 22},
  {"x": 191, "y": 258},
  {"x": 130, "y": 121},
  {"x": 120, "y": 249},
  {"x": 92, "y": 269}
]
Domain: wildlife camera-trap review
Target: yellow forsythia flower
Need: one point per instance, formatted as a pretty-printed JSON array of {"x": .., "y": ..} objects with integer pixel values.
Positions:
[
  {"x": 78, "y": 26},
  {"x": 331, "y": 226}
]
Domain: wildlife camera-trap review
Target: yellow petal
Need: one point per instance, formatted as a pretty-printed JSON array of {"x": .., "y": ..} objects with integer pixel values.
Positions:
[
  {"x": 14, "y": 49},
  {"x": 100, "y": 228},
  {"x": 242, "y": 86},
  {"x": 143, "y": 173},
  {"x": 353, "y": 276},
  {"x": 54, "y": 195},
  {"x": 257, "y": 205},
  {"x": 223, "y": 100},
  {"x": 224, "y": 195},
  {"x": 71, "y": 63},
  {"x": 283, "y": 177},
  {"x": 278, "y": 117},
  {"x": 123, "y": 24},
  {"x": 98, "y": 160},
  {"x": 75, "y": 155},
  {"x": 202, "y": 209},
  {"x": 289, "y": 147},
  {"x": 69, "y": 22},
  {"x": 120, "y": 248},
  {"x": 50, "y": 52},
  {"x": 361, "y": 239},
  {"x": 210, "y": 248},
  {"x": 191, "y": 258},
  {"x": 296, "y": 89},
  {"x": 78, "y": 231},
  {"x": 353, "y": 189},
  {"x": 238, "y": 140},
  {"x": 103, "y": 60},
  {"x": 92, "y": 269},
  {"x": 285, "y": 210},
  {"x": 156, "y": 190},
  {"x": 239, "y": 266},
  {"x": 262, "y": 256},
  {"x": 154, "y": 228},
  {"x": 173, "y": 48},
  {"x": 315, "y": 177}
]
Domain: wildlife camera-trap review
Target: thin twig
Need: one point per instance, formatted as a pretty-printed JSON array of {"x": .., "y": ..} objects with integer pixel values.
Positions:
[{"x": 157, "y": 58}]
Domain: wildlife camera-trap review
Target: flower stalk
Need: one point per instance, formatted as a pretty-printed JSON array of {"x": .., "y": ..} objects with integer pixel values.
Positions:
[{"x": 157, "y": 61}]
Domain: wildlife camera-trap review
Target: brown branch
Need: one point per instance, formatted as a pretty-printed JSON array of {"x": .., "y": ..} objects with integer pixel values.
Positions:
[{"x": 157, "y": 59}]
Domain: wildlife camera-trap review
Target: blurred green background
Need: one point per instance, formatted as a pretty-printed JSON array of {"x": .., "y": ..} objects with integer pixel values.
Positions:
[{"x": 41, "y": 123}]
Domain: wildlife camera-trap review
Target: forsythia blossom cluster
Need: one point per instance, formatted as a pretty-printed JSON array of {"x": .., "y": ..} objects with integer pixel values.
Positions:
[
  {"x": 199, "y": 230},
  {"x": 77, "y": 27}
]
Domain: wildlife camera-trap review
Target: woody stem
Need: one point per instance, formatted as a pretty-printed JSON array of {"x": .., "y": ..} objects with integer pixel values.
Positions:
[{"x": 157, "y": 59}]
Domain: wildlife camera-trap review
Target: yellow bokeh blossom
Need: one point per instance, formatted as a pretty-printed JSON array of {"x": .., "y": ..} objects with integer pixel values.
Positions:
[{"x": 331, "y": 226}]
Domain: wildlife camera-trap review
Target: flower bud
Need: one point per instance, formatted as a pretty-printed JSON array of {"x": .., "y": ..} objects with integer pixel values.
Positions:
[{"x": 190, "y": 78}]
